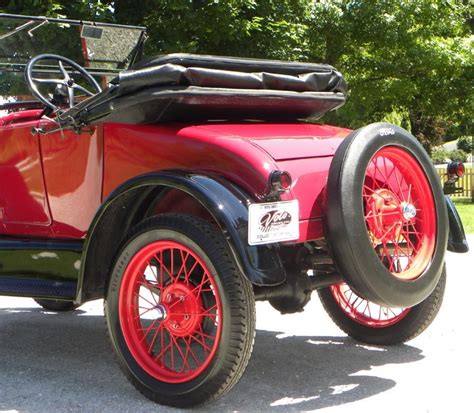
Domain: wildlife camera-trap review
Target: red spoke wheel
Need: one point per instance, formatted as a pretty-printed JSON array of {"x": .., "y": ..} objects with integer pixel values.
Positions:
[
  {"x": 386, "y": 219},
  {"x": 372, "y": 323},
  {"x": 162, "y": 310},
  {"x": 176, "y": 306},
  {"x": 364, "y": 311},
  {"x": 400, "y": 212}
]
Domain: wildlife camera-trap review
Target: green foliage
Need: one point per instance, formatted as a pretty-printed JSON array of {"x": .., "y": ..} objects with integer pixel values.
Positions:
[
  {"x": 411, "y": 62},
  {"x": 439, "y": 156},
  {"x": 457, "y": 155},
  {"x": 48, "y": 8},
  {"x": 466, "y": 144},
  {"x": 264, "y": 28},
  {"x": 412, "y": 57},
  {"x": 465, "y": 207},
  {"x": 73, "y": 9}
]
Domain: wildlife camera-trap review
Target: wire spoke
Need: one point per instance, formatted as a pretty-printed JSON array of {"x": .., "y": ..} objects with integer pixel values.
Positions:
[
  {"x": 153, "y": 340},
  {"x": 185, "y": 362},
  {"x": 190, "y": 350},
  {"x": 160, "y": 261},
  {"x": 148, "y": 301},
  {"x": 148, "y": 329}
]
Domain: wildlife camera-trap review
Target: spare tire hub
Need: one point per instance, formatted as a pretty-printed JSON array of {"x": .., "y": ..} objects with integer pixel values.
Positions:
[{"x": 385, "y": 214}]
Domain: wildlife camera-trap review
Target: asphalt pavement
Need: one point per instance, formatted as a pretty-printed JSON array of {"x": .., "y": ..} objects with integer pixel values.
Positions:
[{"x": 64, "y": 363}]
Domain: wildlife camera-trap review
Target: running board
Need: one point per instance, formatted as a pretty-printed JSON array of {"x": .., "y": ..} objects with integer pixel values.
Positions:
[{"x": 26, "y": 287}]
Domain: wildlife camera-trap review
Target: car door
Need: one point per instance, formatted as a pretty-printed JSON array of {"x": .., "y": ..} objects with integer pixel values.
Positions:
[
  {"x": 24, "y": 209},
  {"x": 72, "y": 167}
]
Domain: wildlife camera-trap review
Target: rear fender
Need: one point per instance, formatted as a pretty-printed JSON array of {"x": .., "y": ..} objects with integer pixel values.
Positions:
[
  {"x": 456, "y": 238},
  {"x": 227, "y": 204}
]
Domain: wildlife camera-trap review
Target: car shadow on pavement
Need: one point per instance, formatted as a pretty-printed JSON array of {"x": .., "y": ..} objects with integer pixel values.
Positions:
[
  {"x": 299, "y": 373},
  {"x": 58, "y": 362}
]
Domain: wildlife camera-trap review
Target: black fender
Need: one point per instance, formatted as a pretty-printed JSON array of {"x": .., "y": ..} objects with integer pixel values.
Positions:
[
  {"x": 456, "y": 238},
  {"x": 226, "y": 203}
]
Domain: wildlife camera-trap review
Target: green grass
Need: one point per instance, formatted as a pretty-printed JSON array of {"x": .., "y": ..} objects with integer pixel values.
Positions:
[{"x": 466, "y": 210}]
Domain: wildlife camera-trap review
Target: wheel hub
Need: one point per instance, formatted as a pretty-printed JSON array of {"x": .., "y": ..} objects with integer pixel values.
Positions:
[
  {"x": 160, "y": 312},
  {"x": 386, "y": 214},
  {"x": 182, "y": 309},
  {"x": 409, "y": 211}
]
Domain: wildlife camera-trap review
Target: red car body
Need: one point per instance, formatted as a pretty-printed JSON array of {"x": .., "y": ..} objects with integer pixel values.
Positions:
[{"x": 50, "y": 176}]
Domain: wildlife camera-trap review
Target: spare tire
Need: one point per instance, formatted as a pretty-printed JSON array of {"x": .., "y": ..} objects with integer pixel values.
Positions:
[{"x": 386, "y": 218}]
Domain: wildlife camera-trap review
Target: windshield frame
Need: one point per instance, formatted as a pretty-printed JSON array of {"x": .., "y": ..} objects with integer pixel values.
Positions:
[
  {"x": 16, "y": 69},
  {"x": 69, "y": 21},
  {"x": 136, "y": 53}
]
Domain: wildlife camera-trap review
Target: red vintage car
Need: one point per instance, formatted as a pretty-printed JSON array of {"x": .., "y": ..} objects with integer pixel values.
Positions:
[{"x": 182, "y": 188}]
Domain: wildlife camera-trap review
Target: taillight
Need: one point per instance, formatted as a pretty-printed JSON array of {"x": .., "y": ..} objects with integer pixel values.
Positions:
[
  {"x": 456, "y": 169},
  {"x": 280, "y": 180}
]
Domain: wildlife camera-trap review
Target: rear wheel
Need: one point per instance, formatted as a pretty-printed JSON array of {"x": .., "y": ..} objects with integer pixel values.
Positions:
[
  {"x": 375, "y": 324},
  {"x": 180, "y": 314}
]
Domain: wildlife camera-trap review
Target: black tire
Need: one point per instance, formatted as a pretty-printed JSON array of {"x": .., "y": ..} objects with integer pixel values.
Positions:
[
  {"x": 346, "y": 229},
  {"x": 416, "y": 320},
  {"x": 57, "y": 305},
  {"x": 237, "y": 321}
]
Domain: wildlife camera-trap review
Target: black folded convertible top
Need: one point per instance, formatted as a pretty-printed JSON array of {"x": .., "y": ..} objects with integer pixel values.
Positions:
[{"x": 183, "y": 87}]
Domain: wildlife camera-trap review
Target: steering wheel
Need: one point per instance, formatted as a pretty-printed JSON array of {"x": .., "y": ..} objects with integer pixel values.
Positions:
[{"x": 65, "y": 87}]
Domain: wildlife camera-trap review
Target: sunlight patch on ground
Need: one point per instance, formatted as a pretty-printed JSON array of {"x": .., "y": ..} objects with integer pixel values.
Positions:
[
  {"x": 343, "y": 388},
  {"x": 318, "y": 342},
  {"x": 92, "y": 308},
  {"x": 284, "y": 335},
  {"x": 371, "y": 348},
  {"x": 290, "y": 400},
  {"x": 17, "y": 302}
]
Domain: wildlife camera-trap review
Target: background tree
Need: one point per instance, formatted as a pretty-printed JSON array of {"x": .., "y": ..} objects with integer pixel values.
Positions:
[
  {"x": 466, "y": 144},
  {"x": 408, "y": 62},
  {"x": 405, "y": 61}
]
